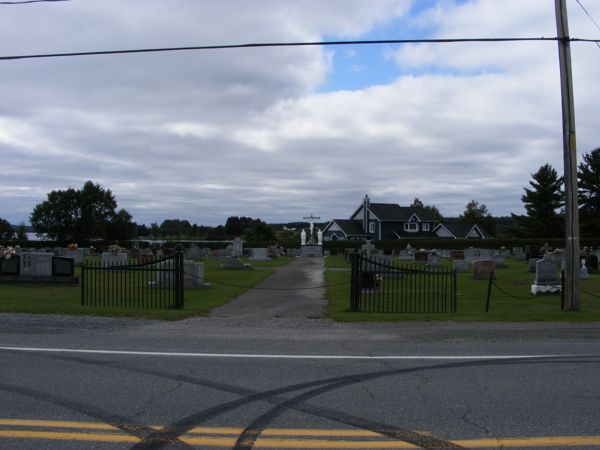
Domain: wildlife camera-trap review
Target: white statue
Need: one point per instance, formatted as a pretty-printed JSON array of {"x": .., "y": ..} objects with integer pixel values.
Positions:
[
  {"x": 303, "y": 237},
  {"x": 319, "y": 236}
]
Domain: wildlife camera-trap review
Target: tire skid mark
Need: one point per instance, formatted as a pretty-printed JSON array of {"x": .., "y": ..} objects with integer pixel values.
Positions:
[
  {"x": 158, "y": 439},
  {"x": 122, "y": 423},
  {"x": 252, "y": 432}
]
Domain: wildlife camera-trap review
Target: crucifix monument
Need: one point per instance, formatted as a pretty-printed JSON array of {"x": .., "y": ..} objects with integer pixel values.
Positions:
[
  {"x": 311, "y": 220},
  {"x": 311, "y": 245}
]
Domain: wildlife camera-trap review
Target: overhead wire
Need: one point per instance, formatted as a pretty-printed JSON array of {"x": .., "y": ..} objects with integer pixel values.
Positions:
[
  {"x": 285, "y": 44},
  {"x": 591, "y": 18},
  {"x": 22, "y": 2}
]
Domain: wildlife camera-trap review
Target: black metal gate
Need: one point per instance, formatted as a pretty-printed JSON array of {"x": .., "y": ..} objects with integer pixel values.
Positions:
[
  {"x": 154, "y": 284},
  {"x": 377, "y": 285}
]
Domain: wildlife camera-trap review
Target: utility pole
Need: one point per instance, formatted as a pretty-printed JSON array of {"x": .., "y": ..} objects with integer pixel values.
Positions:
[{"x": 572, "y": 277}]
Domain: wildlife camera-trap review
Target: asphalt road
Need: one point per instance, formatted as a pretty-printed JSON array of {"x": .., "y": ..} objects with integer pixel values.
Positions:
[{"x": 274, "y": 381}]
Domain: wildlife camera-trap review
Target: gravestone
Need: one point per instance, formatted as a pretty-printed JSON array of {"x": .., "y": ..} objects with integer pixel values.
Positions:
[
  {"x": 230, "y": 262},
  {"x": 433, "y": 260},
  {"x": 482, "y": 269},
  {"x": 11, "y": 266},
  {"x": 583, "y": 271},
  {"x": 591, "y": 262},
  {"x": 460, "y": 265},
  {"x": 77, "y": 254},
  {"x": 519, "y": 254},
  {"x": 499, "y": 261},
  {"x": 457, "y": 254},
  {"x": 145, "y": 256},
  {"x": 259, "y": 254},
  {"x": 36, "y": 264},
  {"x": 421, "y": 256},
  {"x": 532, "y": 264},
  {"x": 237, "y": 248},
  {"x": 546, "y": 278},
  {"x": 273, "y": 251},
  {"x": 193, "y": 275},
  {"x": 110, "y": 259},
  {"x": 367, "y": 249},
  {"x": 407, "y": 254},
  {"x": 63, "y": 267},
  {"x": 193, "y": 252}
]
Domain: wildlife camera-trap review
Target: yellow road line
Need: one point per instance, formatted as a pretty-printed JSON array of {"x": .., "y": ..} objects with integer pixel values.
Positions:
[
  {"x": 543, "y": 441},
  {"x": 197, "y": 430},
  {"x": 57, "y": 424},
  {"x": 228, "y": 437}
]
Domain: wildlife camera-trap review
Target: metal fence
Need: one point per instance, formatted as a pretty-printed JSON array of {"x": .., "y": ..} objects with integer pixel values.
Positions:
[
  {"x": 377, "y": 285},
  {"x": 156, "y": 283}
]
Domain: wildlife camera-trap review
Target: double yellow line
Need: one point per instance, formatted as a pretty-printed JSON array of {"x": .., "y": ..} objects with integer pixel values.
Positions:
[{"x": 270, "y": 438}]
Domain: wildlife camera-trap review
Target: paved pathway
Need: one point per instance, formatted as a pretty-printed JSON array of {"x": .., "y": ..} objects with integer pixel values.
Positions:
[{"x": 283, "y": 294}]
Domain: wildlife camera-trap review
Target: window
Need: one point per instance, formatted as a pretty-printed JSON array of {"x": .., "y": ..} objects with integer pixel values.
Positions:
[
  {"x": 425, "y": 227},
  {"x": 408, "y": 226},
  {"x": 372, "y": 227}
]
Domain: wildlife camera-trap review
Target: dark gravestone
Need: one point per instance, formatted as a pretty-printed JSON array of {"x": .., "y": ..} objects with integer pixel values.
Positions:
[
  {"x": 11, "y": 266},
  {"x": 421, "y": 256},
  {"x": 482, "y": 269},
  {"x": 457, "y": 254},
  {"x": 63, "y": 266}
]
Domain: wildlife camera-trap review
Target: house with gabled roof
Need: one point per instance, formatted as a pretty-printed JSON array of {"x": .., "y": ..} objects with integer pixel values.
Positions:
[
  {"x": 456, "y": 230},
  {"x": 389, "y": 221}
]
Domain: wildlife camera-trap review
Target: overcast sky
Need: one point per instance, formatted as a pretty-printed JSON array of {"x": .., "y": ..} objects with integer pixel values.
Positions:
[{"x": 277, "y": 133}]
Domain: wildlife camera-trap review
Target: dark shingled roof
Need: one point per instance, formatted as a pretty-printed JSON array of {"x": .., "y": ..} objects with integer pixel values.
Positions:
[
  {"x": 392, "y": 211},
  {"x": 351, "y": 227},
  {"x": 460, "y": 230}
]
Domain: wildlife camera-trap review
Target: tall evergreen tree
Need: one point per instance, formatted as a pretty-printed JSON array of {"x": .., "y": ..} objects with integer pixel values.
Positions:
[
  {"x": 542, "y": 203},
  {"x": 589, "y": 194}
]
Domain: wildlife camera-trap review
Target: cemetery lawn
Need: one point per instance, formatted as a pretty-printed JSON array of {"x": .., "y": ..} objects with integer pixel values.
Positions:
[
  {"x": 515, "y": 281},
  {"x": 59, "y": 299}
]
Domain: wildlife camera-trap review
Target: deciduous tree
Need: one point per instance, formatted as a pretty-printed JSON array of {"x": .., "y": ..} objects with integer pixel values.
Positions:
[
  {"x": 476, "y": 214},
  {"x": 77, "y": 215}
]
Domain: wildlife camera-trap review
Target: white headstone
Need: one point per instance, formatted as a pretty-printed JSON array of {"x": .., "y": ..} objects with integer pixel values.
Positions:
[{"x": 110, "y": 259}]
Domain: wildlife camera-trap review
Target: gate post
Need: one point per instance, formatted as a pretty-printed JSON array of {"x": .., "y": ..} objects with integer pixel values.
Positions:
[
  {"x": 82, "y": 283},
  {"x": 354, "y": 282},
  {"x": 179, "y": 283}
]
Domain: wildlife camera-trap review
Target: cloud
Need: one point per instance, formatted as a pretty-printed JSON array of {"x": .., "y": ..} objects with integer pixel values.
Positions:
[{"x": 205, "y": 135}]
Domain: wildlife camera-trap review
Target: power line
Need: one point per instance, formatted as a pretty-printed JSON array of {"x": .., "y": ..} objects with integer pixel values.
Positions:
[
  {"x": 591, "y": 18},
  {"x": 282, "y": 44},
  {"x": 22, "y": 2}
]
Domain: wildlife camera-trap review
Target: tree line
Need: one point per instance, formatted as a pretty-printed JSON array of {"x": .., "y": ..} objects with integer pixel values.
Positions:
[{"x": 90, "y": 213}]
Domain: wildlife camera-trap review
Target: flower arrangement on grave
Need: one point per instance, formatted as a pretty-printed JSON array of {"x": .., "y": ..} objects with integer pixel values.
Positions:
[
  {"x": 9, "y": 252},
  {"x": 72, "y": 246},
  {"x": 114, "y": 249}
]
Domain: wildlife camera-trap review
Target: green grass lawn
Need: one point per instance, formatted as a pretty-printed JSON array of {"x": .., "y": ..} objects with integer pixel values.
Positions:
[
  {"x": 471, "y": 299},
  {"x": 57, "y": 299}
]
